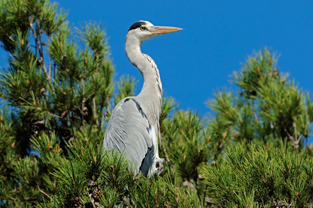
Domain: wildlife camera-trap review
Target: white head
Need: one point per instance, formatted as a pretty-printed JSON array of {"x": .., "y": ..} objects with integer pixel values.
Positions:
[{"x": 144, "y": 30}]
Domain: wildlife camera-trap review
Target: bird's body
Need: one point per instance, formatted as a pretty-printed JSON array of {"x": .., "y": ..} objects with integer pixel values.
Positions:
[{"x": 134, "y": 124}]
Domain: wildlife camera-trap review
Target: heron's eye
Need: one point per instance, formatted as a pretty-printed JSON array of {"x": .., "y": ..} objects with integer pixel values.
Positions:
[{"x": 143, "y": 28}]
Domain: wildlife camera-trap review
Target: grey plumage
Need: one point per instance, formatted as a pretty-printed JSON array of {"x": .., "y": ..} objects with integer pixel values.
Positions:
[{"x": 134, "y": 124}]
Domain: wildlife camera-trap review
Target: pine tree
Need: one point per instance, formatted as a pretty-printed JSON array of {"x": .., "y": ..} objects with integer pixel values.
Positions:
[
  {"x": 262, "y": 132},
  {"x": 269, "y": 107},
  {"x": 58, "y": 93}
]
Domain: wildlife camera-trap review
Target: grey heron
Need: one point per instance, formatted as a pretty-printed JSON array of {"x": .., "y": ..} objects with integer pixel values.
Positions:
[{"x": 134, "y": 124}]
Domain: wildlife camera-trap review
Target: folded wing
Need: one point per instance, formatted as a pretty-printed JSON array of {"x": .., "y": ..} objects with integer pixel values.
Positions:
[{"x": 130, "y": 132}]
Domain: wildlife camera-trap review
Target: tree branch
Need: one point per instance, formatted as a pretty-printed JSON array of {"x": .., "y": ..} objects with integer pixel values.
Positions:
[
  {"x": 91, "y": 199},
  {"x": 165, "y": 151},
  {"x": 42, "y": 62},
  {"x": 43, "y": 192},
  {"x": 95, "y": 110},
  {"x": 107, "y": 106}
]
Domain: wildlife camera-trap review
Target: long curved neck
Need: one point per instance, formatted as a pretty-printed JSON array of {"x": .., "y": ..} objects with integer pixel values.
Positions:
[
  {"x": 151, "y": 93},
  {"x": 152, "y": 86}
]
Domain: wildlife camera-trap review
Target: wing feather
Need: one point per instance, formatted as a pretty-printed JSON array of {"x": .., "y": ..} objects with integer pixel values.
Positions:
[{"x": 128, "y": 132}]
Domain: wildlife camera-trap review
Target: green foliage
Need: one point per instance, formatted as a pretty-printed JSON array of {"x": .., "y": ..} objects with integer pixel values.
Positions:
[
  {"x": 252, "y": 175},
  {"x": 89, "y": 177},
  {"x": 186, "y": 143},
  {"x": 60, "y": 91},
  {"x": 161, "y": 192},
  {"x": 126, "y": 87},
  {"x": 269, "y": 108},
  {"x": 7, "y": 143},
  {"x": 185, "y": 147}
]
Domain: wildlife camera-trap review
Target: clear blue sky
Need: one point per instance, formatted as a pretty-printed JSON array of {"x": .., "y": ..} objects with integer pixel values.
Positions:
[{"x": 217, "y": 37}]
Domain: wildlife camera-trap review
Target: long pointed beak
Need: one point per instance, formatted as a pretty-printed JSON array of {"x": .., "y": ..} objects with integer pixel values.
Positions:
[{"x": 163, "y": 29}]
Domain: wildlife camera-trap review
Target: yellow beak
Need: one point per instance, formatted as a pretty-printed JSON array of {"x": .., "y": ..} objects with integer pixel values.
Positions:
[{"x": 163, "y": 29}]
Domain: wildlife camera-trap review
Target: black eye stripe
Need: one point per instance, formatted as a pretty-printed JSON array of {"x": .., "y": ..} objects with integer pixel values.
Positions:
[{"x": 136, "y": 25}]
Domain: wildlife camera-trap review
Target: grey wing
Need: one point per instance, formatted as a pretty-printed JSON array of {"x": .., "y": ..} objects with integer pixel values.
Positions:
[{"x": 130, "y": 132}]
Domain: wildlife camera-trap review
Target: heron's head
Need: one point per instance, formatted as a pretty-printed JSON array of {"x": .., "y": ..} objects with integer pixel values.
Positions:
[{"x": 144, "y": 30}]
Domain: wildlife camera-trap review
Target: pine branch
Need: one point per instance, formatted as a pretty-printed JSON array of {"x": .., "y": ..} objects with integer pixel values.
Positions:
[
  {"x": 38, "y": 45},
  {"x": 91, "y": 199},
  {"x": 43, "y": 192}
]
